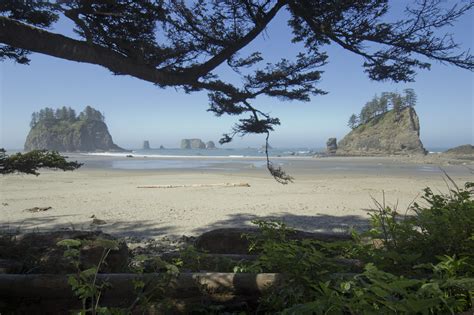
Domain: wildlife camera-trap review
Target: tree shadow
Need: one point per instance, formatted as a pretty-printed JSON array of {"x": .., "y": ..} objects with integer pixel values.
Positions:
[
  {"x": 310, "y": 223},
  {"x": 138, "y": 228}
]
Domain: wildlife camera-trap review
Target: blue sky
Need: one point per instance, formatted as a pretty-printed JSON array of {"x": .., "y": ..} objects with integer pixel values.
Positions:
[{"x": 137, "y": 110}]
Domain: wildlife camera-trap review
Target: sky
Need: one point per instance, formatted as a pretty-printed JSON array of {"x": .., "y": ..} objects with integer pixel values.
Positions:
[{"x": 136, "y": 110}]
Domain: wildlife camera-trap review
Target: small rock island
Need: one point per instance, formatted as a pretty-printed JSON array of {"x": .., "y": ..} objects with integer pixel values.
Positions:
[
  {"x": 63, "y": 130},
  {"x": 387, "y": 125},
  {"x": 196, "y": 144}
]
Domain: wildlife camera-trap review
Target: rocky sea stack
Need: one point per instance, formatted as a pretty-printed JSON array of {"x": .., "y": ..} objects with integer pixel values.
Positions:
[
  {"x": 391, "y": 133},
  {"x": 461, "y": 152},
  {"x": 61, "y": 130}
]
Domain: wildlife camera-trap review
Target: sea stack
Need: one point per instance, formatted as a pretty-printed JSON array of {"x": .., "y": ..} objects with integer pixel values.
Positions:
[
  {"x": 146, "y": 145},
  {"x": 61, "y": 130},
  {"x": 391, "y": 133},
  {"x": 463, "y": 152},
  {"x": 192, "y": 144},
  {"x": 210, "y": 145}
]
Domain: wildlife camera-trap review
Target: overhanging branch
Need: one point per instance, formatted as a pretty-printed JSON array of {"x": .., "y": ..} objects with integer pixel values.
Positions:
[{"x": 27, "y": 37}]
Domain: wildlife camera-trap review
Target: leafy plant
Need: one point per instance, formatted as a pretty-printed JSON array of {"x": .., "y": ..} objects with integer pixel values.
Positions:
[
  {"x": 420, "y": 262},
  {"x": 84, "y": 283}
]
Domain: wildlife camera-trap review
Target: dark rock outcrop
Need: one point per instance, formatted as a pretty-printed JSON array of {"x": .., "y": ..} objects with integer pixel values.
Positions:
[
  {"x": 80, "y": 135},
  {"x": 39, "y": 252},
  {"x": 230, "y": 240},
  {"x": 192, "y": 144},
  {"x": 146, "y": 145},
  {"x": 391, "y": 133},
  {"x": 331, "y": 146}
]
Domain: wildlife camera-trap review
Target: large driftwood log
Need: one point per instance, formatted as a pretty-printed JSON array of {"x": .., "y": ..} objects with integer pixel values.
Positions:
[
  {"x": 198, "y": 185},
  {"x": 50, "y": 286}
]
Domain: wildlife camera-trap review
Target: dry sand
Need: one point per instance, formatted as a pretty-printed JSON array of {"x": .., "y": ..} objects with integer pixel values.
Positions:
[{"x": 328, "y": 194}]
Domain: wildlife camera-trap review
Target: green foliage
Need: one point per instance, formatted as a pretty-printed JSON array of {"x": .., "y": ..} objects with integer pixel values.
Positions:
[
  {"x": 444, "y": 226},
  {"x": 381, "y": 105},
  {"x": 418, "y": 263},
  {"x": 152, "y": 291},
  {"x": 353, "y": 121},
  {"x": 64, "y": 114},
  {"x": 84, "y": 283},
  {"x": 30, "y": 162}
]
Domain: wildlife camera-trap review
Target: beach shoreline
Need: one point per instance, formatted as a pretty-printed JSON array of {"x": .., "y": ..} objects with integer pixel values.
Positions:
[{"x": 329, "y": 194}]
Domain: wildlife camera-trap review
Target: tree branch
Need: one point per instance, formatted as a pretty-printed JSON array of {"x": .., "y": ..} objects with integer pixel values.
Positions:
[{"x": 27, "y": 37}]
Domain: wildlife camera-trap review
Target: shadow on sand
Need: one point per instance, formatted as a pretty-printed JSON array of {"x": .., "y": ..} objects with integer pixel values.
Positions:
[
  {"x": 137, "y": 228},
  {"x": 309, "y": 223},
  {"x": 153, "y": 229}
]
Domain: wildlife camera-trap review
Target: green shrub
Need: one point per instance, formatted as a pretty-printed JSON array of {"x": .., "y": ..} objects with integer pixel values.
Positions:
[{"x": 420, "y": 262}]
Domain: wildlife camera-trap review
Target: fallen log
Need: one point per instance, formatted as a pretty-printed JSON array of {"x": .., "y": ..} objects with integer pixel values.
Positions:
[
  {"x": 51, "y": 286},
  {"x": 198, "y": 185},
  {"x": 233, "y": 257},
  {"x": 233, "y": 240}
]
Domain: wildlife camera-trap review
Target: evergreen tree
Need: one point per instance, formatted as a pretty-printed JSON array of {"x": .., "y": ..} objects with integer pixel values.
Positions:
[
  {"x": 353, "y": 121},
  {"x": 366, "y": 113},
  {"x": 180, "y": 44},
  {"x": 71, "y": 114},
  {"x": 373, "y": 106},
  {"x": 410, "y": 97},
  {"x": 397, "y": 102},
  {"x": 34, "y": 119},
  {"x": 383, "y": 102},
  {"x": 49, "y": 114},
  {"x": 31, "y": 162}
]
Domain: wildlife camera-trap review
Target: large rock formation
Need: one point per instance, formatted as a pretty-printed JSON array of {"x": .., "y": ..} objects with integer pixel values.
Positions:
[
  {"x": 386, "y": 134},
  {"x": 80, "y": 135},
  {"x": 63, "y": 130},
  {"x": 146, "y": 145},
  {"x": 192, "y": 144}
]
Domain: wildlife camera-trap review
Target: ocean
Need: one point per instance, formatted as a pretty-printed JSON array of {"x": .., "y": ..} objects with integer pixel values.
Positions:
[
  {"x": 238, "y": 152},
  {"x": 230, "y": 160}
]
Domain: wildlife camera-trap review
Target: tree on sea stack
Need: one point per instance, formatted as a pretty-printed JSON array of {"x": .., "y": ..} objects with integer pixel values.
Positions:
[
  {"x": 179, "y": 43},
  {"x": 353, "y": 121}
]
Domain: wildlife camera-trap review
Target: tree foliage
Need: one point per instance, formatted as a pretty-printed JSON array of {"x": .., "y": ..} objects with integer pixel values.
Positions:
[
  {"x": 31, "y": 162},
  {"x": 67, "y": 114},
  {"x": 380, "y": 105},
  {"x": 182, "y": 43}
]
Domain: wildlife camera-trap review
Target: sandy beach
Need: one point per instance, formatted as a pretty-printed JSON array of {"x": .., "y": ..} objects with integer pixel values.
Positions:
[{"x": 328, "y": 194}]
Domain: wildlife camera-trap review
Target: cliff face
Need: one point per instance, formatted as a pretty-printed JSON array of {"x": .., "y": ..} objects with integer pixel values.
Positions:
[
  {"x": 81, "y": 135},
  {"x": 386, "y": 134}
]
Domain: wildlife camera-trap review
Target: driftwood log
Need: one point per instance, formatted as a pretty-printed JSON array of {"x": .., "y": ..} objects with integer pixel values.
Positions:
[
  {"x": 51, "y": 286},
  {"x": 198, "y": 185},
  {"x": 51, "y": 294}
]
